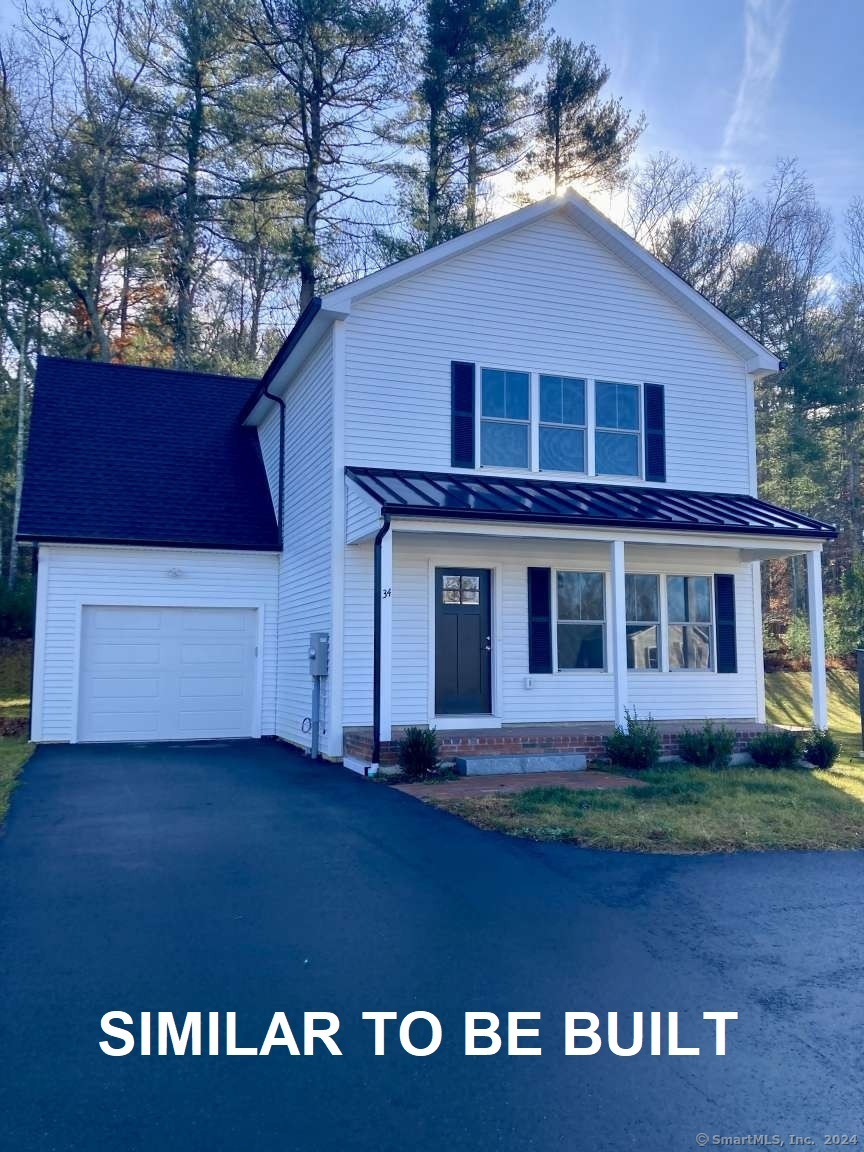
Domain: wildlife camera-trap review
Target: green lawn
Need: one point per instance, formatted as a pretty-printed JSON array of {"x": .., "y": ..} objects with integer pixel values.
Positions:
[
  {"x": 683, "y": 809},
  {"x": 14, "y": 702}
]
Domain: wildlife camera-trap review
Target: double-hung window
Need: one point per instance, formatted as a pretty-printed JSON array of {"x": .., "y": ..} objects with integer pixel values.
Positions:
[
  {"x": 617, "y": 429},
  {"x": 505, "y": 419},
  {"x": 642, "y": 598},
  {"x": 562, "y": 424},
  {"x": 690, "y": 624},
  {"x": 581, "y": 603}
]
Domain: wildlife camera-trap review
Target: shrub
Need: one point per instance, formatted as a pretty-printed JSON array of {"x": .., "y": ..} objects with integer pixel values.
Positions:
[
  {"x": 16, "y": 610},
  {"x": 708, "y": 746},
  {"x": 796, "y": 638},
  {"x": 418, "y": 752},
  {"x": 775, "y": 749},
  {"x": 820, "y": 748},
  {"x": 637, "y": 746}
]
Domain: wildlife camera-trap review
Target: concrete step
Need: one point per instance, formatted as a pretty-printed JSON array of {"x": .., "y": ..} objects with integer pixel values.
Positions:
[{"x": 499, "y": 765}]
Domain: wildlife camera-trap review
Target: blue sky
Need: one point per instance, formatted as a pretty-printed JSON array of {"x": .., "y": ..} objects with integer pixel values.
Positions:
[{"x": 737, "y": 83}]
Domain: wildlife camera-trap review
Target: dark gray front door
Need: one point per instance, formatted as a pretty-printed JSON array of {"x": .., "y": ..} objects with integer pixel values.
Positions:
[{"x": 463, "y": 642}]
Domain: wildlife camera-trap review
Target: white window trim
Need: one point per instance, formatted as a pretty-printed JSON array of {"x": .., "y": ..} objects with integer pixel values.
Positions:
[
  {"x": 590, "y": 426},
  {"x": 661, "y": 636},
  {"x": 606, "y": 670},
  {"x": 712, "y": 627},
  {"x": 639, "y": 432},
  {"x": 479, "y": 418}
]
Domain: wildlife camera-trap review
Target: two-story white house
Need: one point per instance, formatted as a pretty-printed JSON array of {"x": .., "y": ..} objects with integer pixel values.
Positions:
[{"x": 513, "y": 479}]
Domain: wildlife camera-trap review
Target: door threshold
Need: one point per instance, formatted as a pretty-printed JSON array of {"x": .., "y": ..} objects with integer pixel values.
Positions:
[{"x": 445, "y": 723}]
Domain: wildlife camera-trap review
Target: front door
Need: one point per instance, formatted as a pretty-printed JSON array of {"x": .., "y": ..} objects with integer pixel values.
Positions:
[{"x": 463, "y": 642}]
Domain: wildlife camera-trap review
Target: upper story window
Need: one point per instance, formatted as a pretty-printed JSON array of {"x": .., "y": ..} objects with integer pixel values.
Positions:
[
  {"x": 617, "y": 429},
  {"x": 562, "y": 424},
  {"x": 505, "y": 419},
  {"x": 566, "y": 425}
]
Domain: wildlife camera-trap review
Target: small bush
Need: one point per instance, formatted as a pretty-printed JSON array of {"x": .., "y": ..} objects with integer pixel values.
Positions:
[
  {"x": 637, "y": 747},
  {"x": 16, "y": 610},
  {"x": 708, "y": 746},
  {"x": 418, "y": 752},
  {"x": 775, "y": 749},
  {"x": 820, "y": 748}
]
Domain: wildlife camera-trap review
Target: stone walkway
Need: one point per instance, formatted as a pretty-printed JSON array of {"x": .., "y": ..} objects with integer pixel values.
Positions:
[{"x": 517, "y": 782}]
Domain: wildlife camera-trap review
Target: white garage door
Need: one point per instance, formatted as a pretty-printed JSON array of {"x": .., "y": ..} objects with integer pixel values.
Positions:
[{"x": 167, "y": 673}]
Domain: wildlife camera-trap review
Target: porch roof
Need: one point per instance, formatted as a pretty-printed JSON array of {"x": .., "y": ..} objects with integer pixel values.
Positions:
[{"x": 402, "y": 493}]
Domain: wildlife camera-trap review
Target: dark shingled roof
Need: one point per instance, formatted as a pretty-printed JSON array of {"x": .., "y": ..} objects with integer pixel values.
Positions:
[
  {"x": 457, "y": 496},
  {"x": 126, "y": 455}
]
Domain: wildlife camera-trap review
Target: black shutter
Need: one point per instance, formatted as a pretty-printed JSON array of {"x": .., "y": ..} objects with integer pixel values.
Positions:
[
  {"x": 724, "y": 606},
  {"x": 461, "y": 414},
  {"x": 539, "y": 619},
  {"x": 654, "y": 403}
]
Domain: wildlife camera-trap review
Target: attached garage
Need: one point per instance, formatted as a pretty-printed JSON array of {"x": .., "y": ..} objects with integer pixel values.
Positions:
[
  {"x": 149, "y": 673},
  {"x": 153, "y": 521}
]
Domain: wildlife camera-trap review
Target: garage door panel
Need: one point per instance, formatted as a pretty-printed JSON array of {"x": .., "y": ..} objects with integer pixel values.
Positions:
[
  {"x": 118, "y": 621},
  {"x": 112, "y": 654},
  {"x": 207, "y": 653},
  {"x": 167, "y": 673},
  {"x": 124, "y": 687}
]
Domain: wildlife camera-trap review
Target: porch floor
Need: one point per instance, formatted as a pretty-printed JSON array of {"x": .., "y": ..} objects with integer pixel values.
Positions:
[{"x": 521, "y": 782}]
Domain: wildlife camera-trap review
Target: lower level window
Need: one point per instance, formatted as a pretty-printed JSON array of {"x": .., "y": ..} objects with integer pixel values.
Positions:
[
  {"x": 642, "y": 595},
  {"x": 689, "y": 604},
  {"x": 581, "y": 620}
]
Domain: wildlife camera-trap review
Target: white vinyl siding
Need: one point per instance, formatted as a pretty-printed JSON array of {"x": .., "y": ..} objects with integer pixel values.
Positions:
[
  {"x": 362, "y": 514},
  {"x": 578, "y": 695},
  {"x": 305, "y": 598},
  {"x": 551, "y": 297},
  {"x": 71, "y": 576}
]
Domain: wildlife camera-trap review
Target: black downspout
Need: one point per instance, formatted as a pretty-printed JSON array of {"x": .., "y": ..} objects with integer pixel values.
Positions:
[
  {"x": 33, "y": 649},
  {"x": 280, "y": 501},
  {"x": 376, "y": 652}
]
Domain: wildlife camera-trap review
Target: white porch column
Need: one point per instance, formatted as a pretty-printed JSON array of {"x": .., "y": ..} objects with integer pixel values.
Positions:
[
  {"x": 386, "y": 635},
  {"x": 817, "y": 638},
  {"x": 618, "y": 632}
]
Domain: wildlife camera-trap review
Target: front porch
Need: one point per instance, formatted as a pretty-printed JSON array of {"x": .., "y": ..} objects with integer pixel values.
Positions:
[
  {"x": 529, "y": 740},
  {"x": 527, "y": 618}
]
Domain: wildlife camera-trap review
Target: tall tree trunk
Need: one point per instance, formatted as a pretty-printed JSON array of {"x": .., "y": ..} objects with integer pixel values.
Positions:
[
  {"x": 19, "y": 448},
  {"x": 433, "y": 176},
  {"x": 308, "y": 247},
  {"x": 187, "y": 241},
  {"x": 472, "y": 180}
]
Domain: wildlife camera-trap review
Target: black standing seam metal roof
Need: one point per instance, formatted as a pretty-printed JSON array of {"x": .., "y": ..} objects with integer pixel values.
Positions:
[
  {"x": 151, "y": 456},
  {"x": 533, "y": 500}
]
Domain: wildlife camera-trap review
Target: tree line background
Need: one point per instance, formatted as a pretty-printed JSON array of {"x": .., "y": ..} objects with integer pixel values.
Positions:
[{"x": 178, "y": 178}]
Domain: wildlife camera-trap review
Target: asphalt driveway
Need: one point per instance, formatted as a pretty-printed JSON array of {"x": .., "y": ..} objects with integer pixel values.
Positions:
[{"x": 243, "y": 878}]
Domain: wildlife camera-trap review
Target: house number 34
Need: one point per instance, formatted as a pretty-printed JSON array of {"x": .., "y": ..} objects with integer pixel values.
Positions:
[{"x": 386, "y": 592}]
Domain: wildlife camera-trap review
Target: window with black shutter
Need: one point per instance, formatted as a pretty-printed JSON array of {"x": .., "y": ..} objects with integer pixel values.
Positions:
[{"x": 654, "y": 403}]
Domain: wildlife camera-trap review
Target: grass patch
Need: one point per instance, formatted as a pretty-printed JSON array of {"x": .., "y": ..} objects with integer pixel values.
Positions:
[
  {"x": 688, "y": 809},
  {"x": 14, "y": 702},
  {"x": 14, "y": 754}
]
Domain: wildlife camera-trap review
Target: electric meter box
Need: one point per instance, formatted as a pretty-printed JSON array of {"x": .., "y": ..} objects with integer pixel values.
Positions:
[{"x": 319, "y": 653}]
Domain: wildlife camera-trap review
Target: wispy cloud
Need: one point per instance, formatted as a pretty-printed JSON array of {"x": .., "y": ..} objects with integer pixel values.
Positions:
[{"x": 765, "y": 23}]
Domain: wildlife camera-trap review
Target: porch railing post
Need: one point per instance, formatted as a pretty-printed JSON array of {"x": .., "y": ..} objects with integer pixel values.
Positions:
[
  {"x": 817, "y": 638},
  {"x": 618, "y": 639}
]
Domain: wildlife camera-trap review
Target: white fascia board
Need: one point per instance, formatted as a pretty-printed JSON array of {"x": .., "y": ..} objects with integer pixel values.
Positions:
[
  {"x": 307, "y": 344},
  {"x": 756, "y": 547}
]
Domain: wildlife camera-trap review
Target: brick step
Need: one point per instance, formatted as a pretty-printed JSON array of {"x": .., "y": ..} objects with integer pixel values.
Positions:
[{"x": 505, "y": 765}]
